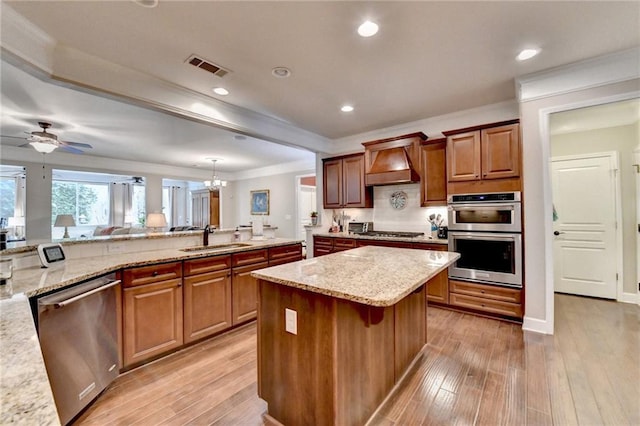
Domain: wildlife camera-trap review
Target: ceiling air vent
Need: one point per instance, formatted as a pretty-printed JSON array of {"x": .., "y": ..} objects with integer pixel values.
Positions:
[{"x": 214, "y": 69}]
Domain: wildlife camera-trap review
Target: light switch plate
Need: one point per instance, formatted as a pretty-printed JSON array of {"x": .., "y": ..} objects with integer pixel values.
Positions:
[{"x": 290, "y": 321}]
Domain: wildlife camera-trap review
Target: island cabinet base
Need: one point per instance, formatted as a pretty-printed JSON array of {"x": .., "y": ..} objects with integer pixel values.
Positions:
[{"x": 344, "y": 360}]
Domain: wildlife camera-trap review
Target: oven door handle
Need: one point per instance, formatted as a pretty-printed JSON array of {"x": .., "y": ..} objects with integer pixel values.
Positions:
[
  {"x": 483, "y": 207},
  {"x": 483, "y": 236}
]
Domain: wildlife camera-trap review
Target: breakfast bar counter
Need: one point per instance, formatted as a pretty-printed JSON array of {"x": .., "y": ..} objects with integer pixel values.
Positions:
[{"x": 337, "y": 332}]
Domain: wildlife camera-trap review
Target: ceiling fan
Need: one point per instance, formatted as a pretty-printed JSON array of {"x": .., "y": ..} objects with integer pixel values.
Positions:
[{"x": 45, "y": 142}]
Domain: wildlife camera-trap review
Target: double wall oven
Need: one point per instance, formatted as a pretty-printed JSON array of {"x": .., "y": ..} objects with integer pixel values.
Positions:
[{"x": 486, "y": 229}]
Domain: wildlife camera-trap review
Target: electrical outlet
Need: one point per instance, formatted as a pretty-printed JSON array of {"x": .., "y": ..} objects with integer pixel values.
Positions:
[
  {"x": 290, "y": 321},
  {"x": 115, "y": 248}
]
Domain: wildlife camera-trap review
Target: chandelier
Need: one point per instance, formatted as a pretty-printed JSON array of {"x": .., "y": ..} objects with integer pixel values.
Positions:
[{"x": 215, "y": 183}]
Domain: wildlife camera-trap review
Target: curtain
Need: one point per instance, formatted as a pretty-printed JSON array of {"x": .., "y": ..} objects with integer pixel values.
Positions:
[
  {"x": 20, "y": 196},
  {"x": 120, "y": 202},
  {"x": 177, "y": 205}
]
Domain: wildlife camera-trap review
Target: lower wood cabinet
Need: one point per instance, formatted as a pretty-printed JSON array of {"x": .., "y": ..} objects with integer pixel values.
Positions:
[
  {"x": 171, "y": 304},
  {"x": 322, "y": 246},
  {"x": 491, "y": 299},
  {"x": 245, "y": 293},
  {"x": 207, "y": 296},
  {"x": 207, "y": 304},
  {"x": 152, "y": 320}
]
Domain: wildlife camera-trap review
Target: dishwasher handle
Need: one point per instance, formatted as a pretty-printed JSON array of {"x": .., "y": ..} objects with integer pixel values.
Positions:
[{"x": 63, "y": 303}]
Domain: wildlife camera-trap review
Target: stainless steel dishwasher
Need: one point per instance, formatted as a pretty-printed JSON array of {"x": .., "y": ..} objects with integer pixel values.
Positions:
[{"x": 77, "y": 328}]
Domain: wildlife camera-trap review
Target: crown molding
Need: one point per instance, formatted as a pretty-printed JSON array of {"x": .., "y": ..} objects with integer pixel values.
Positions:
[{"x": 602, "y": 70}]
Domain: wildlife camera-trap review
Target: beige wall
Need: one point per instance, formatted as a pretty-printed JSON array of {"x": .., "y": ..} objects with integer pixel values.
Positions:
[
  {"x": 282, "y": 202},
  {"x": 624, "y": 140},
  {"x": 537, "y": 190}
]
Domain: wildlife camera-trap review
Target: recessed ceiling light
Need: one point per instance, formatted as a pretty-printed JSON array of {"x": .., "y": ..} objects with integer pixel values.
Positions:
[
  {"x": 346, "y": 108},
  {"x": 527, "y": 54},
  {"x": 221, "y": 91},
  {"x": 146, "y": 3},
  {"x": 281, "y": 72},
  {"x": 367, "y": 29}
]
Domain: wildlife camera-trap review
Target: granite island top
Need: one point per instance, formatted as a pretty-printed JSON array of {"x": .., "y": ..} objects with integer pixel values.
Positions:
[
  {"x": 371, "y": 275},
  {"x": 25, "y": 393}
]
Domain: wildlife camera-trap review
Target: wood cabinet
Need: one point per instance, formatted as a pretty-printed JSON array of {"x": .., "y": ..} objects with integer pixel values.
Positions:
[
  {"x": 245, "y": 293},
  {"x": 495, "y": 300},
  {"x": 285, "y": 254},
  {"x": 207, "y": 296},
  {"x": 487, "y": 155},
  {"x": 433, "y": 171},
  {"x": 438, "y": 288},
  {"x": 244, "y": 287},
  {"x": 205, "y": 208},
  {"x": 343, "y": 183},
  {"x": 322, "y": 246},
  {"x": 393, "y": 160},
  {"x": 152, "y": 310}
]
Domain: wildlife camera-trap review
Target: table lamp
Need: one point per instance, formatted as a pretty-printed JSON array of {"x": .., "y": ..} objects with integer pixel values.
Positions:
[
  {"x": 156, "y": 220},
  {"x": 64, "y": 220}
]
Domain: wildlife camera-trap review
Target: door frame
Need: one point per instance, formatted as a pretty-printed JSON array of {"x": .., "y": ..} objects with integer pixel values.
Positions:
[
  {"x": 299, "y": 185},
  {"x": 636, "y": 153},
  {"x": 547, "y": 200},
  {"x": 615, "y": 157}
]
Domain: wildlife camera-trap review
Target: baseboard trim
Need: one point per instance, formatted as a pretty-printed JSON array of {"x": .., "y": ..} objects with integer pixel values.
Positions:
[
  {"x": 537, "y": 325},
  {"x": 629, "y": 298}
]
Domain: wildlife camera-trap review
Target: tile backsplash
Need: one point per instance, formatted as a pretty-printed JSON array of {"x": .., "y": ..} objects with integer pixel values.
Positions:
[{"x": 385, "y": 218}]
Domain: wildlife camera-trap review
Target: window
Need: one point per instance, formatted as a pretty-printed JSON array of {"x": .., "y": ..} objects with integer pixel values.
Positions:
[
  {"x": 176, "y": 201},
  {"x": 12, "y": 201},
  {"x": 87, "y": 202},
  {"x": 96, "y": 199}
]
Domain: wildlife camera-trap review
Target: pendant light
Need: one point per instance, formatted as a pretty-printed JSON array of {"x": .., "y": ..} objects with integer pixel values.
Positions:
[{"x": 215, "y": 183}]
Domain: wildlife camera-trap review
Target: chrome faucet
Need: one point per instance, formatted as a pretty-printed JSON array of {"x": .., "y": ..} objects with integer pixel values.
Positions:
[{"x": 205, "y": 236}]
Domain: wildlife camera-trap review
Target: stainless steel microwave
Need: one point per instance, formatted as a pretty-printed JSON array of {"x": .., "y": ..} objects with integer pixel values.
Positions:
[{"x": 360, "y": 227}]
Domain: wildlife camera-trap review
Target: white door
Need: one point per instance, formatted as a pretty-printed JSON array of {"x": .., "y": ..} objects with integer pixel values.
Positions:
[
  {"x": 585, "y": 247},
  {"x": 306, "y": 205}
]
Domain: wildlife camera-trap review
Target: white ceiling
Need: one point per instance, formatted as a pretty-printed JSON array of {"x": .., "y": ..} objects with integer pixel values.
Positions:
[{"x": 429, "y": 58}]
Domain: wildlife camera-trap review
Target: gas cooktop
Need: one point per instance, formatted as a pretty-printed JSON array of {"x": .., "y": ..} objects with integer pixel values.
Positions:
[{"x": 398, "y": 234}]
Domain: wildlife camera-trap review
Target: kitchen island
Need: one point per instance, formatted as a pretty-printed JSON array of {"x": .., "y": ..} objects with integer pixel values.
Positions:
[
  {"x": 24, "y": 385},
  {"x": 336, "y": 333}
]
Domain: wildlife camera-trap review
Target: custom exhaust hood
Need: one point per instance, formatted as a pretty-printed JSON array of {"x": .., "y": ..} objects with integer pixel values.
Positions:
[{"x": 394, "y": 160}]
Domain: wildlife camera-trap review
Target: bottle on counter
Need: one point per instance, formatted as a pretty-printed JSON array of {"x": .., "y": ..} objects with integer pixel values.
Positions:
[{"x": 236, "y": 235}]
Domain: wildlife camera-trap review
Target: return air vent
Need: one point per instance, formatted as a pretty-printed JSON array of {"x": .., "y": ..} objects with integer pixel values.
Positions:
[{"x": 216, "y": 70}]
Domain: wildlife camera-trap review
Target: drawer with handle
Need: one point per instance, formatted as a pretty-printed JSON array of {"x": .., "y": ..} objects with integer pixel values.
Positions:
[
  {"x": 512, "y": 295},
  {"x": 151, "y": 274}
]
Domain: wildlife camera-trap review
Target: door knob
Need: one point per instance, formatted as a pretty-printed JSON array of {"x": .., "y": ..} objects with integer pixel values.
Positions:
[{"x": 557, "y": 232}]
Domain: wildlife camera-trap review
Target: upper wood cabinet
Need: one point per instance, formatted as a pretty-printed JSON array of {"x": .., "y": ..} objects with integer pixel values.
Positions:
[
  {"x": 433, "y": 166},
  {"x": 343, "y": 181},
  {"x": 484, "y": 153}
]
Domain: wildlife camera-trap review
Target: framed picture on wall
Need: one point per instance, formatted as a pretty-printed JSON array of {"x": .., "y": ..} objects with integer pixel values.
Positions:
[{"x": 260, "y": 202}]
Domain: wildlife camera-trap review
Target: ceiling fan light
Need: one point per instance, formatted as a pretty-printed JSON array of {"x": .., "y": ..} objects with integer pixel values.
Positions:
[{"x": 43, "y": 147}]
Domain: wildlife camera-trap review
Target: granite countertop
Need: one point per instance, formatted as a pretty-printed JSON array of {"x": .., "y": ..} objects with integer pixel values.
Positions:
[
  {"x": 35, "y": 280},
  {"x": 422, "y": 240},
  {"x": 28, "y": 246},
  {"x": 25, "y": 393},
  {"x": 372, "y": 275}
]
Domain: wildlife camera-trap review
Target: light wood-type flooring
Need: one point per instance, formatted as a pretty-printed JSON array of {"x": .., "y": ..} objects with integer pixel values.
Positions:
[{"x": 473, "y": 371}]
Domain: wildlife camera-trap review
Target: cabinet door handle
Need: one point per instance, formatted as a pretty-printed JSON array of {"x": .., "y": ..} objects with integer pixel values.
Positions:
[{"x": 155, "y": 273}]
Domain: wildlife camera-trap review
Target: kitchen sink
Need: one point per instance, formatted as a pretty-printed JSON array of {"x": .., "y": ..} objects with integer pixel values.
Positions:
[{"x": 214, "y": 247}]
